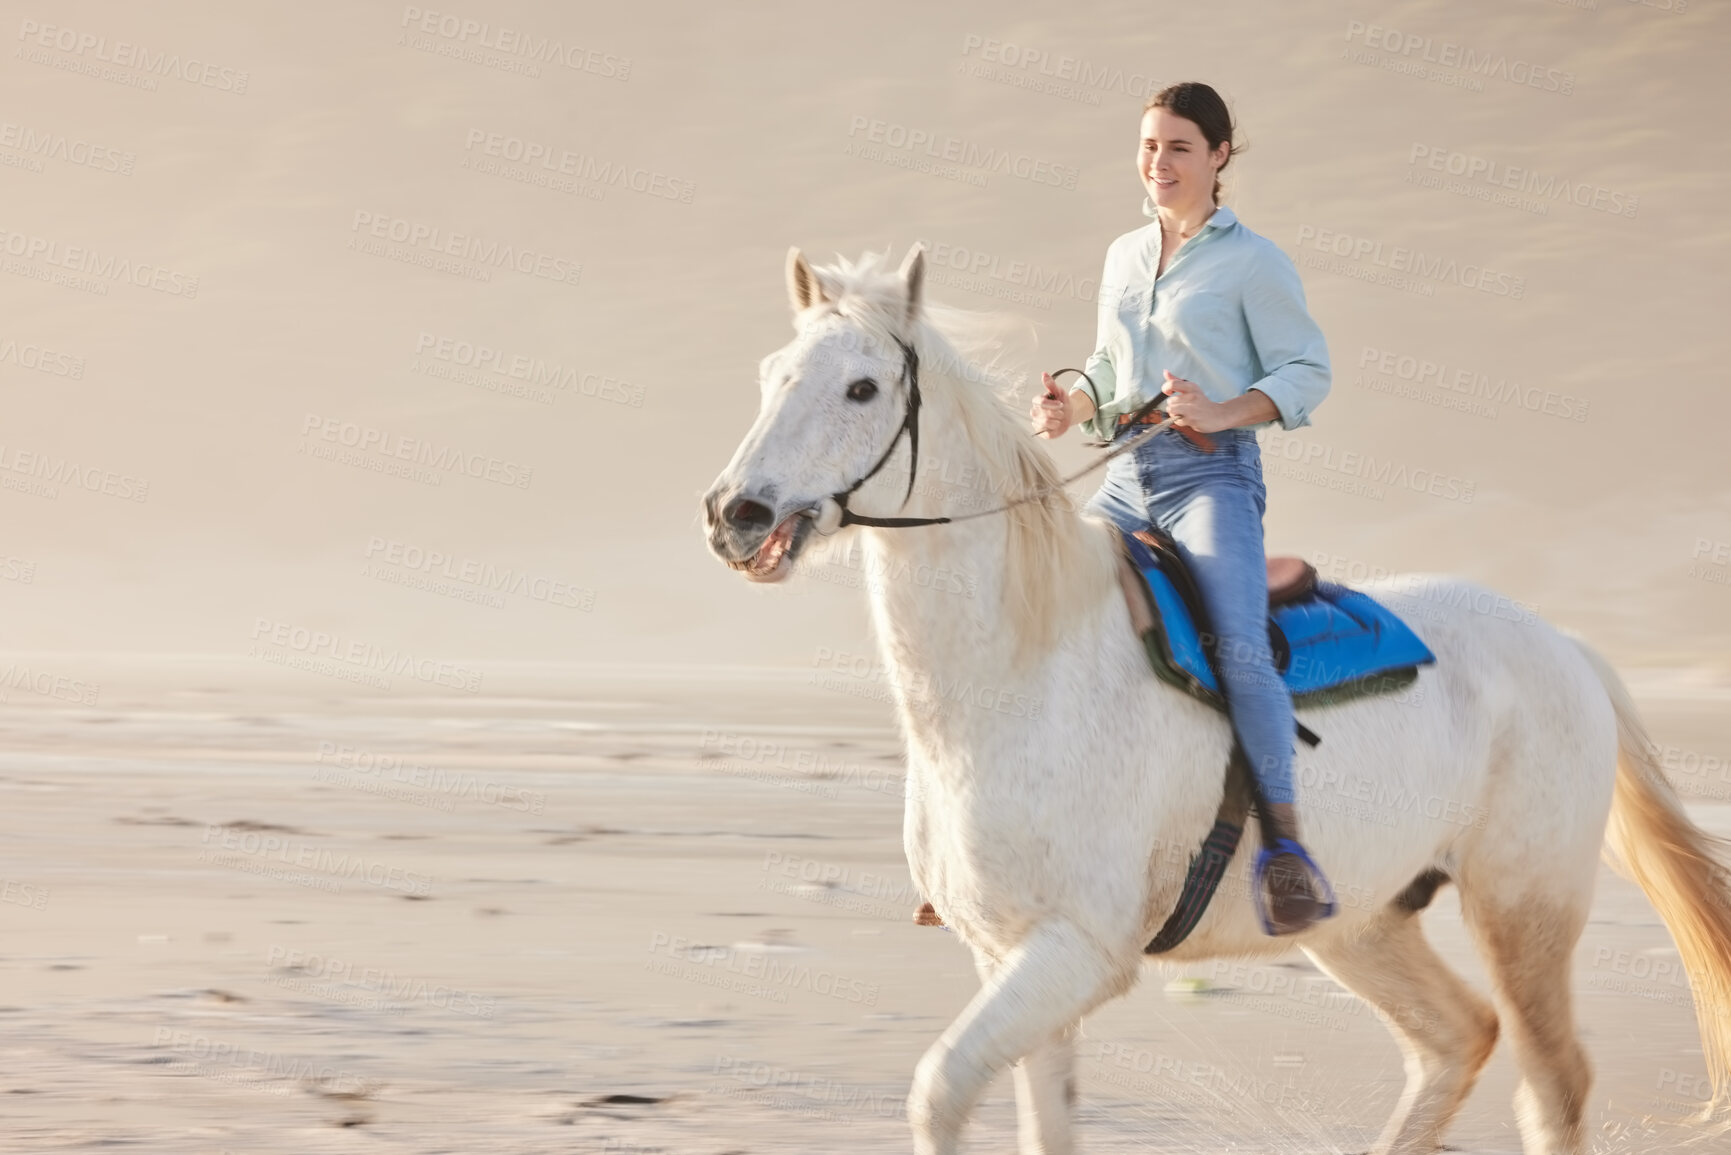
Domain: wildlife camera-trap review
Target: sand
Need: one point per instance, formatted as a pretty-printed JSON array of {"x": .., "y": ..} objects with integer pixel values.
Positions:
[{"x": 249, "y": 916}]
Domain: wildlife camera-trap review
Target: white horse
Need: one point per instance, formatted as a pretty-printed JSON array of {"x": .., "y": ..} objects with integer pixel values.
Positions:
[{"x": 1057, "y": 788}]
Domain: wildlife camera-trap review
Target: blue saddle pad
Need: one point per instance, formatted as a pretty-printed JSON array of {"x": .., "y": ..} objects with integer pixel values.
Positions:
[{"x": 1340, "y": 643}]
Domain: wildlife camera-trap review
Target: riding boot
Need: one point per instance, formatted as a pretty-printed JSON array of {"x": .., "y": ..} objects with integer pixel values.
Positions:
[{"x": 1293, "y": 904}]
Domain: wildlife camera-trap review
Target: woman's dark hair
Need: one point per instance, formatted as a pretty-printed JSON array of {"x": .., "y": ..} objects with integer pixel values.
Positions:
[{"x": 1197, "y": 102}]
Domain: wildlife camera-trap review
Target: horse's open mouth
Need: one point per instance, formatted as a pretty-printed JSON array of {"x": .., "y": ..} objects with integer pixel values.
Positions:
[{"x": 775, "y": 556}]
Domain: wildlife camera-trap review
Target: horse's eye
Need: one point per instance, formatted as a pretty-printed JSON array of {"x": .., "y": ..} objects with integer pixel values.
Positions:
[{"x": 862, "y": 390}]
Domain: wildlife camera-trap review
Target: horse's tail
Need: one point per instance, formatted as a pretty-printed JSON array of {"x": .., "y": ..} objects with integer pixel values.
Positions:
[{"x": 1682, "y": 869}]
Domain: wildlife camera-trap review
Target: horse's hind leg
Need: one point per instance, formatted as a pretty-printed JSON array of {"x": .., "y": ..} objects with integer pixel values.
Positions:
[
  {"x": 1046, "y": 1095},
  {"x": 1445, "y": 1029},
  {"x": 1527, "y": 947},
  {"x": 1045, "y": 1085},
  {"x": 1050, "y": 980}
]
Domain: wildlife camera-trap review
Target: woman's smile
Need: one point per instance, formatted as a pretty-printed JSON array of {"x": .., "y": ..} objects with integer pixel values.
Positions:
[{"x": 1177, "y": 166}]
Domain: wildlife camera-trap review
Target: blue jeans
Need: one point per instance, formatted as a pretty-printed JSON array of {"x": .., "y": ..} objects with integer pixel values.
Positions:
[{"x": 1212, "y": 505}]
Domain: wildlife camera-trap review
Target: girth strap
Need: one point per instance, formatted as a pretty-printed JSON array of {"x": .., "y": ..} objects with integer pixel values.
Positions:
[{"x": 1208, "y": 865}]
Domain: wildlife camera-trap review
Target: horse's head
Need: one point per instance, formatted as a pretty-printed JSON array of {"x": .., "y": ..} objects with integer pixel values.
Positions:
[{"x": 835, "y": 400}]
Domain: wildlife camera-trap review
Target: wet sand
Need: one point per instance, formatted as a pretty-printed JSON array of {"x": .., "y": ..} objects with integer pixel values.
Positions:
[{"x": 615, "y": 911}]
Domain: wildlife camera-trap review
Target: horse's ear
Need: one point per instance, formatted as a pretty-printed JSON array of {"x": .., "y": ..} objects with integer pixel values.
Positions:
[
  {"x": 914, "y": 277},
  {"x": 803, "y": 289}
]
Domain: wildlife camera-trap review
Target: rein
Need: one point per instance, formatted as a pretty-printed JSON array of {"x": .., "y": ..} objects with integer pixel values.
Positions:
[{"x": 911, "y": 427}]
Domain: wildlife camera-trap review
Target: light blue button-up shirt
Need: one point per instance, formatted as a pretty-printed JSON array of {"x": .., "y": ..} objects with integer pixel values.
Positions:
[{"x": 1228, "y": 313}]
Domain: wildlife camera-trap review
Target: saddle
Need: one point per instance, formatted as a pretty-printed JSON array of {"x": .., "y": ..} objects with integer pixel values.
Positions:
[{"x": 1330, "y": 643}]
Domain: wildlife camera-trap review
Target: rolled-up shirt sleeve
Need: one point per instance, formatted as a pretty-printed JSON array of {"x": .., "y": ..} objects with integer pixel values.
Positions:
[
  {"x": 1099, "y": 368},
  {"x": 1099, "y": 365},
  {"x": 1289, "y": 344}
]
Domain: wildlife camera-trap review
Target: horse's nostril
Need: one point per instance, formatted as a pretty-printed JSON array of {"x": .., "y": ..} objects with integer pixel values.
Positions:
[{"x": 743, "y": 513}]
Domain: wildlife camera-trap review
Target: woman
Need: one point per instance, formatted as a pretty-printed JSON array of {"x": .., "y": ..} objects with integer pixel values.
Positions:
[{"x": 1202, "y": 309}]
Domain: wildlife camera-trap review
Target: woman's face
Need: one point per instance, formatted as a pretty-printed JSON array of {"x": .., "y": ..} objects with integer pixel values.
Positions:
[{"x": 1176, "y": 165}]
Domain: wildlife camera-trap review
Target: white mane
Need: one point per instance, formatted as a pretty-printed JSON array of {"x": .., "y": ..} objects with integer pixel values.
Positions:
[{"x": 974, "y": 374}]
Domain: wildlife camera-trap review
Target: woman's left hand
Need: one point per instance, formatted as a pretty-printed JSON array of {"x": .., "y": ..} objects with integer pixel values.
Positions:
[{"x": 1192, "y": 409}]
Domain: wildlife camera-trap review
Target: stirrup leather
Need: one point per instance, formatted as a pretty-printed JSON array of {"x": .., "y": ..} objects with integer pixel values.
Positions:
[{"x": 1259, "y": 896}]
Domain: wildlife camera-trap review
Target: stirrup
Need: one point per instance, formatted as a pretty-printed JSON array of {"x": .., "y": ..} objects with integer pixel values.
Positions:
[{"x": 1259, "y": 896}]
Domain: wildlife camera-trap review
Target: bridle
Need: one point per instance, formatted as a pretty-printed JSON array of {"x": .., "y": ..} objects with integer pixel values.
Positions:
[{"x": 910, "y": 427}]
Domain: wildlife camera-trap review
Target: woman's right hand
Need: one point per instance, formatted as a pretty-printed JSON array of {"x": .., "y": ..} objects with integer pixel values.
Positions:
[{"x": 1050, "y": 410}]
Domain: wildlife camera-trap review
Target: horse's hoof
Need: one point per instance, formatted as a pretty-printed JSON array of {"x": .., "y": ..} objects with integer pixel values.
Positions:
[{"x": 927, "y": 915}]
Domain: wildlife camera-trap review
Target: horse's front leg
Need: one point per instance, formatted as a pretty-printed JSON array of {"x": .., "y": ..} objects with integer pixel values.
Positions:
[{"x": 1043, "y": 986}]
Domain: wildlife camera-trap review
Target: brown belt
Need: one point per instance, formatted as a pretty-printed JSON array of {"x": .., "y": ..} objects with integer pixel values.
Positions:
[{"x": 1201, "y": 440}]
